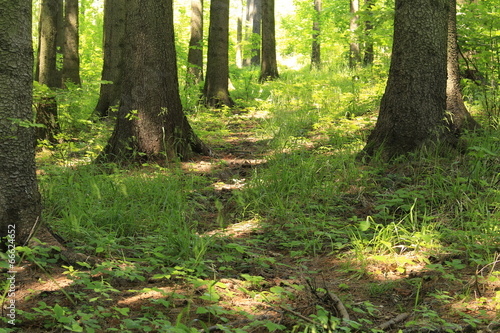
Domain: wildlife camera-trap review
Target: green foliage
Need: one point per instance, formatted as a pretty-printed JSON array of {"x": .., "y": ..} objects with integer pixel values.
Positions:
[{"x": 167, "y": 227}]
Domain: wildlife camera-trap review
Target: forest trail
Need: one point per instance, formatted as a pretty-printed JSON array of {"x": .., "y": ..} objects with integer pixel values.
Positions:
[{"x": 254, "y": 283}]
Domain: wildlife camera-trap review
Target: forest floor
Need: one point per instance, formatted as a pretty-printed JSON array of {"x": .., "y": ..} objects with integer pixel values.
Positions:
[{"x": 251, "y": 280}]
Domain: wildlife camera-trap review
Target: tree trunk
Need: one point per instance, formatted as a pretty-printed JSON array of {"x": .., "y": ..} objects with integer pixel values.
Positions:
[
  {"x": 460, "y": 117},
  {"x": 195, "y": 53},
  {"x": 254, "y": 18},
  {"x": 268, "y": 66},
  {"x": 113, "y": 45},
  {"x": 20, "y": 203},
  {"x": 151, "y": 124},
  {"x": 369, "y": 49},
  {"x": 412, "y": 110},
  {"x": 216, "y": 89},
  {"x": 71, "y": 59},
  {"x": 239, "y": 35},
  {"x": 316, "y": 44},
  {"x": 50, "y": 29},
  {"x": 355, "y": 51}
]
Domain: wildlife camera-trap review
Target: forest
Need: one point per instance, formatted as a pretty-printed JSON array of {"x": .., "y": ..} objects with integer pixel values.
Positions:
[{"x": 250, "y": 166}]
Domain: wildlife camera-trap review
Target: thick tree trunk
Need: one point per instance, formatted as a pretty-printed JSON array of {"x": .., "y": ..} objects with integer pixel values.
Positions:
[
  {"x": 268, "y": 66},
  {"x": 50, "y": 37},
  {"x": 195, "y": 53},
  {"x": 253, "y": 36},
  {"x": 216, "y": 89},
  {"x": 151, "y": 124},
  {"x": 20, "y": 204},
  {"x": 316, "y": 44},
  {"x": 460, "y": 117},
  {"x": 354, "y": 48},
  {"x": 71, "y": 59},
  {"x": 113, "y": 45},
  {"x": 412, "y": 110}
]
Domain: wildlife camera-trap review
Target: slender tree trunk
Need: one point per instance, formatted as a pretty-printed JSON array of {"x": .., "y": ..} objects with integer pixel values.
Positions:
[
  {"x": 254, "y": 19},
  {"x": 316, "y": 44},
  {"x": 113, "y": 45},
  {"x": 239, "y": 36},
  {"x": 216, "y": 89},
  {"x": 268, "y": 66},
  {"x": 369, "y": 49},
  {"x": 195, "y": 53},
  {"x": 50, "y": 29},
  {"x": 71, "y": 59},
  {"x": 150, "y": 124},
  {"x": 20, "y": 202},
  {"x": 412, "y": 111},
  {"x": 355, "y": 50},
  {"x": 460, "y": 117}
]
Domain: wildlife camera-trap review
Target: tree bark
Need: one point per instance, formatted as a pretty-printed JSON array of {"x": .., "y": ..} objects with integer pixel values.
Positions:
[
  {"x": 113, "y": 45},
  {"x": 268, "y": 66},
  {"x": 461, "y": 119},
  {"x": 50, "y": 37},
  {"x": 216, "y": 89},
  {"x": 412, "y": 111},
  {"x": 316, "y": 44},
  {"x": 20, "y": 203},
  {"x": 254, "y": 19},
  {"x": 239, "y": 35},
  {"x": 195, "y": 53},
  {"x": 151, "y": 124},
  {"x": 71, "y": 59},
  {"x": 354, "y": 48},
  {"x": 369, "y": 54}
]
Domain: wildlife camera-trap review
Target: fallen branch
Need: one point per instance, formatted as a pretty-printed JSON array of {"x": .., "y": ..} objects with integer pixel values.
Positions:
[
  {"x": 309, "y": 320},
  {"x": 401, "y": 317},
  {"x": 339, "y": 305}
]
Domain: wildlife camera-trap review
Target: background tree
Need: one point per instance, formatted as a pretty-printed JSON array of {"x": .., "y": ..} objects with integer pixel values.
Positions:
[
  {"x": 269, "y": 65},
  {"x": 253, "y": 35},
  {"x": 354, "y": 48},
  {"x": 412, "y": 111},
  {"x": 216, "y": 89},
  {"x": 369, "y": 53},
  {"x": 316, "y": 44},
  {"x": 195, "y": 53},
  {"x": 113, "y": 44},
  {"x": 20, "y": 204},
  {"x": 151, "y": 124},
  {"x": 50, "y": 36},
  {"x": 71, "y": 58},
  {"x": 460, "y": 116}
]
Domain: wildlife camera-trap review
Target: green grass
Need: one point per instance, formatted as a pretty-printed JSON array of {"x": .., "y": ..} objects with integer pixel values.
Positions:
[{"x": 312, "y": 198}]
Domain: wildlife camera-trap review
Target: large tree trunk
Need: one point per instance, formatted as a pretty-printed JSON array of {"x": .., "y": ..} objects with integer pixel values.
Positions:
[
  {"x": 113, "y": 45},
  {"x": 354, "y": 49},
  {"x": 195, "y": 53},
  {"x": 460, "y": 117},
  {"x": 20, "y": 204},
  {"x": 216, "y": 89},
  {"x": 71, "y": 59},
  {"x": 268, "y": 66},
  {"x": 50, "y": 37},
  {"x": 412, "y": 110},
  {"x": 316, "y": 44},
  {"x": 253, "y": 19},
  {"x": 151, "y": 124}
]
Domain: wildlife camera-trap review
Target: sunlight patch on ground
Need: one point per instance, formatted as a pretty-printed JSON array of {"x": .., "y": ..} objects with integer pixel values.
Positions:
[{"x": 238, "y": 230}]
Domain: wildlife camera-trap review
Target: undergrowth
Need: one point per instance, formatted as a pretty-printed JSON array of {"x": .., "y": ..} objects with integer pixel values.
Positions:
[{"x": 160, "y": 233}]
